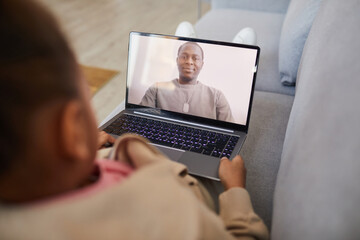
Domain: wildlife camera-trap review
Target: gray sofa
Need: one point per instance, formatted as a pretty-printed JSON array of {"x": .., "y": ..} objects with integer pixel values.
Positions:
[{"x": 303, "y": 148}]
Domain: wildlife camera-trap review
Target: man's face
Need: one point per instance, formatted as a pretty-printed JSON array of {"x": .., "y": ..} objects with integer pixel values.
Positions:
[{"x": 189, "y": 62}]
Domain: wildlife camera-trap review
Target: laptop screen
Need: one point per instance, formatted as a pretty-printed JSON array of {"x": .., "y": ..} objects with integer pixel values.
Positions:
[{"x": 202, "y": 78}]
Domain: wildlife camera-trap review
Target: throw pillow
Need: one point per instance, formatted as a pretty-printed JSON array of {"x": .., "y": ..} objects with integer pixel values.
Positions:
[{"x": 296, "y": 27}]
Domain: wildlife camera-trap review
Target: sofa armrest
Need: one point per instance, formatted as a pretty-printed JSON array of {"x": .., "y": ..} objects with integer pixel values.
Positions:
[{"x": 279, "y": 6}]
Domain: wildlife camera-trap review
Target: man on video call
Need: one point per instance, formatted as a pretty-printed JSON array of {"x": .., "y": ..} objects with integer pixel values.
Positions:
[{"x": 186, "y": 94}]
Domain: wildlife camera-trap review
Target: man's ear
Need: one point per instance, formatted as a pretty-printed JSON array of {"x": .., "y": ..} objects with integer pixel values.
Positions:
[{"x": 72, "y": 135}]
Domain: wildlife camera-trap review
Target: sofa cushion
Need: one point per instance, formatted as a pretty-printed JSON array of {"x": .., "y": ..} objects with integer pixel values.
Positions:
[
  {"x": 257, "y": 5},
  {"x": 295, "y": 30},
  {"x": 317, "y": 193},
  {"x": 224, "y": 24},
  {"x": 263, "y": 146}
]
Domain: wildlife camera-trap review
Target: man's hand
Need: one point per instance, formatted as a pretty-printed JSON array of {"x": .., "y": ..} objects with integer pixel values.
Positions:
[
  {"x": 232, "y": 173},
  {"x": 105, "y": 139}
]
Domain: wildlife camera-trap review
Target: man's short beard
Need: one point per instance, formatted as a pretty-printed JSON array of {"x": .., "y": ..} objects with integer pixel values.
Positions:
[{"x": 186, "y": 79}]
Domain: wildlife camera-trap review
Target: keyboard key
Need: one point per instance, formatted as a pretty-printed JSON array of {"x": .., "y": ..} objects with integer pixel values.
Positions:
[
  {"x": 196, "y": 149},
  {"x": 215, "y": 154},
  {"x": 185, "y": 147},
  {"x": 207, "y": 152}
]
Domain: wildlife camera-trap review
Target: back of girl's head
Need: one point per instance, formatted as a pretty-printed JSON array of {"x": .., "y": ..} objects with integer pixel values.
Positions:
[{"x": 36, "y": 67}]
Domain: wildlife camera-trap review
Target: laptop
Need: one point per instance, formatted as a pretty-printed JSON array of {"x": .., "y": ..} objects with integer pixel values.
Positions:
[{"x": 191, "y": 98}]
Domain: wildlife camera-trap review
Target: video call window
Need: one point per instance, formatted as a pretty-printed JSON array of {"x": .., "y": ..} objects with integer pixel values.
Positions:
[{"x": 206, "y": 80}]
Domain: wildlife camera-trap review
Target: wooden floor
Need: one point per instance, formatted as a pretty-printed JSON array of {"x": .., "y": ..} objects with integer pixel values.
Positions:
[{"x": 98, "y": 31}]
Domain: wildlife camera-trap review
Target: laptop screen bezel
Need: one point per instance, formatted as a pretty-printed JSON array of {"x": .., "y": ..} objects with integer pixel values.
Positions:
[{"x": 187, "y": 117}]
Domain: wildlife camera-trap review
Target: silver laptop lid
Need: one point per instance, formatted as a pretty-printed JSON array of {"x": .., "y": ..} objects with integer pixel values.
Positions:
[{"x": 192, "y": 79}]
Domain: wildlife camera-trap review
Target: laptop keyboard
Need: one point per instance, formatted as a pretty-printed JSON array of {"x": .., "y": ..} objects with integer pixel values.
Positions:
[{"x": 175, "y": 135}]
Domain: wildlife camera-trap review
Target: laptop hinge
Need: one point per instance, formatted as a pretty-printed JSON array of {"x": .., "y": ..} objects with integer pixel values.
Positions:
[{"x": 185, "y": 122}]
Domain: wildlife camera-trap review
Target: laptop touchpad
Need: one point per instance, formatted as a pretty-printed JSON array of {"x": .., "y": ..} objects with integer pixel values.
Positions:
[
  {"x": 201, "y": 165},
  {"x": 173, "y": 154}
]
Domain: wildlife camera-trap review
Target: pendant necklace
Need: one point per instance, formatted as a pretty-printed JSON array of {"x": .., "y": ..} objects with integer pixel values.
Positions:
[{"x": 186, "y": 106}]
